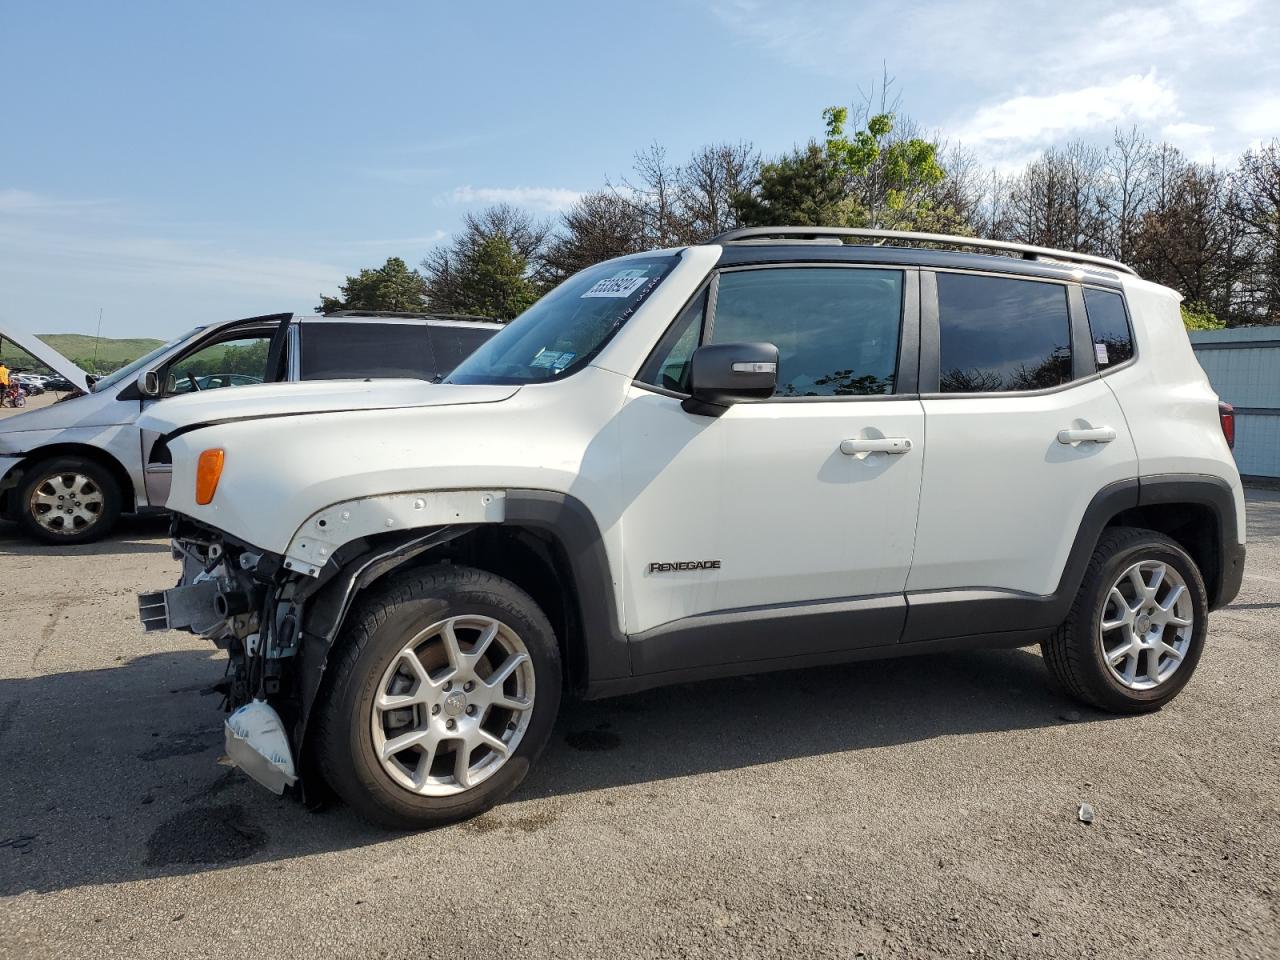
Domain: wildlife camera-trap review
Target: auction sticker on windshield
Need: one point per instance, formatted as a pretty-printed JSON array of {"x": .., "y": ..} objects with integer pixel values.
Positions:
[{"x": 622, "y": 284}]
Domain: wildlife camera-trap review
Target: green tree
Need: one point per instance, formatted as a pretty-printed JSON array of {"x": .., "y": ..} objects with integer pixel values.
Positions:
[
  {"x": 494, "y": 282},
  {"x": 802, "y": 188},
  {"x": 866, "y": 177},
  {"x": 491, "y": 267},
  {"x": 393, "y": 286},
  {"x": 1198, "y": 316}
]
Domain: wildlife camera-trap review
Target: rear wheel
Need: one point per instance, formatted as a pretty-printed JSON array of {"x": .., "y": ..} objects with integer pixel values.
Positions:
[
  {"x": 1137, "y": 628},
  {"x": 444, "y": 692},
  {"x": 69, "y": 500}
]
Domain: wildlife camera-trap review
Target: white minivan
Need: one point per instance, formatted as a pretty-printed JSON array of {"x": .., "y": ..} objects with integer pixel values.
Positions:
[{"x": 68, "y": 470}]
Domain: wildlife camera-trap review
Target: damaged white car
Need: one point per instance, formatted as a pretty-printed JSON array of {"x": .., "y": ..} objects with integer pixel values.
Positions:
[{"x": 697, "y": 463}]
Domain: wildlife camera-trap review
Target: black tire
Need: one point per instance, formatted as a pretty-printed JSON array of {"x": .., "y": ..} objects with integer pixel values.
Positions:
[
  {"x": 377, "y": 630},
  {"x": 1074, "y": 653},
  {"x": 49, "y": 471}
]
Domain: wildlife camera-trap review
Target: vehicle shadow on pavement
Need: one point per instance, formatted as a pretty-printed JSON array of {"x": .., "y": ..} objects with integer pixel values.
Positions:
[
  {"x": 112, "y": 775},
  {"x": 134, "y": 535}
]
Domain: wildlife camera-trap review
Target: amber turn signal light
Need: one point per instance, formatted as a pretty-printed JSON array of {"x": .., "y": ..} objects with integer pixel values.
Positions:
[{"x": 208, "y": 470}]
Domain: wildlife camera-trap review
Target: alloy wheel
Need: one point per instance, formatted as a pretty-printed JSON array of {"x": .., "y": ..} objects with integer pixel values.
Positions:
[
  {"x": 453, "y": 705},
  {"x": 1146, "y": 625}
]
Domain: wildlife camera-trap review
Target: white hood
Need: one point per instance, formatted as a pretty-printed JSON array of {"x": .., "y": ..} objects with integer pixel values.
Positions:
[
  {"x": 311, "y": 396},
  {"x": 50, "y": 357}
]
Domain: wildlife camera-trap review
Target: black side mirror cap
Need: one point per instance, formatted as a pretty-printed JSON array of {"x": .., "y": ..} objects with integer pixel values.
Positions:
[{"x": 722, "y": 374}]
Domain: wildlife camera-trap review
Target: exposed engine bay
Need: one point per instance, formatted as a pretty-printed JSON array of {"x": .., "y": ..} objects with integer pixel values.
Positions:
[{"x": 241, "y": 600}]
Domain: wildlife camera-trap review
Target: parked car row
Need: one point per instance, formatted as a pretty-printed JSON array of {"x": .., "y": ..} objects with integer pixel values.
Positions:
[{"x": 68, "y": 471}]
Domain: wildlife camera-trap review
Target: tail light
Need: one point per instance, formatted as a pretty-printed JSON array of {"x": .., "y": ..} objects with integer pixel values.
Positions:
[{"x": 1227, "y": 415}]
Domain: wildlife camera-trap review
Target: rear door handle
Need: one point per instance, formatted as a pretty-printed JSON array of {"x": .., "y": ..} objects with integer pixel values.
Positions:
[
  {"x": 879, "y": 445},
  {"x": 1089, "y": 435}
]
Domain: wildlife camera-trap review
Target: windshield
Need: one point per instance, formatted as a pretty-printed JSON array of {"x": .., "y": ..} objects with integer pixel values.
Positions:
[
  {"x": 563, "y": 331},
  {"x": 131, "y": 369}
]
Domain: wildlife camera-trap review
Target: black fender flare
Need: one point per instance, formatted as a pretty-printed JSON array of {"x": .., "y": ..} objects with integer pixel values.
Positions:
[{"x": 597, "y": 644}]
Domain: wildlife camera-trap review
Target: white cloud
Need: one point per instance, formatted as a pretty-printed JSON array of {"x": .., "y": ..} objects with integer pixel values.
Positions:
[
  {"x": 1217, "y": 12},
  {"x": 549, "y": 199},
  {"x": 1258, "y": 115},
  {"x": 1010, "y": 79},
  {"x": 1176, "y": 130},
  {"x": 14, "y": 201},
  {"x": 1036, "y": 120},
  {"x": 57, "y": 255}
]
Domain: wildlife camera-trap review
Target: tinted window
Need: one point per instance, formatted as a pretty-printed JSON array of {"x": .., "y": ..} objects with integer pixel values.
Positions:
[
  {"x": 1001, "y": 334},
  {"x": 836, "y": 329},
  {"x": 1109, "y": 326},
  {"x": 454, "y": 344},
  {"x": 348, "y": 351}
]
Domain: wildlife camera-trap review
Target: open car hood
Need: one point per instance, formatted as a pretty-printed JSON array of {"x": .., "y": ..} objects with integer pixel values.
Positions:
[
  {"x": 50, "y": 357},
  {"x": 226, "y": 404}
]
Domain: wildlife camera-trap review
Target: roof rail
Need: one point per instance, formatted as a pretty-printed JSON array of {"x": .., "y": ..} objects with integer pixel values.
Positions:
[{"x": 1027, "y": 251}]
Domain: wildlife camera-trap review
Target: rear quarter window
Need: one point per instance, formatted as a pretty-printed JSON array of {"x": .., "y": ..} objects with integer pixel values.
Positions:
[{"x": 1108, "y": 327}]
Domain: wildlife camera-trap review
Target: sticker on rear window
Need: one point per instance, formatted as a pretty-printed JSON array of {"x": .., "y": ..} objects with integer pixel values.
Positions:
[
  {"x": 1100, "y": 351},
  {"x": 622, "y": 284}
]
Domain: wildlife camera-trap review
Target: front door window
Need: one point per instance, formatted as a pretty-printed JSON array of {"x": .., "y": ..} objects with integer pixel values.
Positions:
[{"x": 229, "y": 363}]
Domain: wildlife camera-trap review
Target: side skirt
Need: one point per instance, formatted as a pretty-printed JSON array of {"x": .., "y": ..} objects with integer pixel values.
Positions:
[{"x": 626, "y": 685}]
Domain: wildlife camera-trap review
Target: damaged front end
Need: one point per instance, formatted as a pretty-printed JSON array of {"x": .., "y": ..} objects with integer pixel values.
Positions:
[
  {"x": 242, "y": 600},
  {"x": 277, "y": 625}
]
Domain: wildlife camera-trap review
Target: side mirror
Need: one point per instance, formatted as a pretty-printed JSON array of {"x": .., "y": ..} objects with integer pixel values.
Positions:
[
  {"x": 149, "y": 383},
  {"x": 721, "y": 374}
]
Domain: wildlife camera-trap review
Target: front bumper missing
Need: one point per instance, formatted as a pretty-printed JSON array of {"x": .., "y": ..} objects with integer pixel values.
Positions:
[
  {"x": 258, "y": 745},
  {"x": 192, "y": 607}
]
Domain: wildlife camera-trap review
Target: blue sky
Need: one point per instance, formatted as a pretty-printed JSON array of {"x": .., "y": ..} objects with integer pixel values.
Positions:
[{"x": 174, "y": 163}]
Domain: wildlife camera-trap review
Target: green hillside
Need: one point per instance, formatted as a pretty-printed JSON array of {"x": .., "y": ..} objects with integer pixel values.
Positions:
[{"x": 79, "y": 348}]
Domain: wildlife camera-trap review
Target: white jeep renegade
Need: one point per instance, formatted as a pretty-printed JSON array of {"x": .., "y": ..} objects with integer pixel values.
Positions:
[{"x": 774, "y": 450}]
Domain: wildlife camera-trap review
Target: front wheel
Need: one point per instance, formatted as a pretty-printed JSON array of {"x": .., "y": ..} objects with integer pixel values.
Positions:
[
  {"x": 1137, "y": 628},
  {"x": 444, "y": 691},
  {"x": 69, "y": 500}
]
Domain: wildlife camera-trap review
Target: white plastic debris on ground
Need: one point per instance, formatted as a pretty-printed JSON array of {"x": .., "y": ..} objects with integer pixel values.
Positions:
[{"x": 258, "y": 745}]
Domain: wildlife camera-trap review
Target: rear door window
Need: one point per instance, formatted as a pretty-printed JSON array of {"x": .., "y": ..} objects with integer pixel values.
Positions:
[
  {"x": 1109, "y": 327},
  {"x": 363, "y": 350},
  {"x": 1000, "y": 334}
]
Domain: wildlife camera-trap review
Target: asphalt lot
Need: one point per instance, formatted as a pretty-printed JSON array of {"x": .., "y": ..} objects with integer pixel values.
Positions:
[{"x": 917, "y": 807}]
